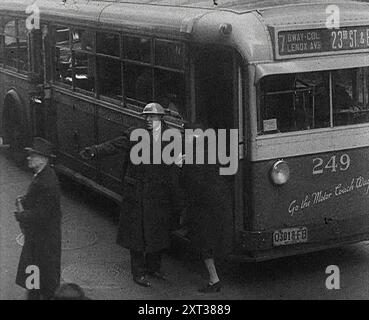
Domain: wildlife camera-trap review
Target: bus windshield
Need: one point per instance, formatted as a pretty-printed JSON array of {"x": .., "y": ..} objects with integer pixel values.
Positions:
[{"x": 304, "y": 101}]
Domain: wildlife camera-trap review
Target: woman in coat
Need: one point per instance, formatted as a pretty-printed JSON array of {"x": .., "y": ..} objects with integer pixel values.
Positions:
[
  {"x": 39, "y": 216},
  {"x": 209, "y": 214}
]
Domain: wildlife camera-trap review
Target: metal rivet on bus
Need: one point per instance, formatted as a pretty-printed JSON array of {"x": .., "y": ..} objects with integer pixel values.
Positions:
[{"x": 225, "y": 29}]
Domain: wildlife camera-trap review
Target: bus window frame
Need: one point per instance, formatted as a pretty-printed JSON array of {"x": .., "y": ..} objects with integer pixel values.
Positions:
[
  {"x": 89, "y": 54},
  {"x": 156, "y": 40},
  {"x": 126, "y": 101},
  {"x": 260, "y": 96},
  {"x": 27, "y": 39},
  {"x": 52, "y": 61},
  {"x": 115, "y": 58},
  {"x": 4, "y": 34},
  {"x": 101, "y": 96},
  {"x": 137, "y": 36}
]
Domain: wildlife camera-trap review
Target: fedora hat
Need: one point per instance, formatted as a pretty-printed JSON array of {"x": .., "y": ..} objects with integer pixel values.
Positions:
[{"x": 42, "y": 147}]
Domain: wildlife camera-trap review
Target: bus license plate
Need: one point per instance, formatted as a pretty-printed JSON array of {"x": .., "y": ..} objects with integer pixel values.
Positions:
[{"x": 288, "y": 236}]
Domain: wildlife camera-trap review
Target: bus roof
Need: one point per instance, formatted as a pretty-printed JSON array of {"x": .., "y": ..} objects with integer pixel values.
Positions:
[
  {"x": 233, "y": 5},
  {"x": 252, "y": 21}
]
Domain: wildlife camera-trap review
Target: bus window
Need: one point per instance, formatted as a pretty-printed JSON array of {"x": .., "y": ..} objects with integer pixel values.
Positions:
[
  {"x": 82, "y": 40},
  {"x": 84, "y": 71},
  {"x": 138, "y": 49},
  {"x": 169, "y": 54},
  {"x": 14, "y": 45},
  {"x": 10, "y": 44},
  {"x": 62, "y": 36},
  {"x": 350, "y": 96},
  {"x": 10, "y": 29},
  {"x": 63, "y": 56},
  {"x": 83, "y": 45},
  {"x": 138, "y": 83},
  {"x": 294, "y": 102},
  {"x": 108, "y": 44},
  {"x": 109, "y": 77},
  {"x": 23, "y": 46},
  {"x": 312, "y": 106},
  {"x": 109, "y": 66},
  {"x": 170, "y": 90}
]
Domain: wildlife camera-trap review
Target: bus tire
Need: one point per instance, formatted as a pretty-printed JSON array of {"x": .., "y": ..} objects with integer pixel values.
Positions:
[{"x": 14, "y": 127}]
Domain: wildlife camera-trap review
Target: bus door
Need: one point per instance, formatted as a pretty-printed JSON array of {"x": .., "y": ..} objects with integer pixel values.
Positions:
[
  {"x": 219, "y": 97},
  {"x": 73, "y": 71}
]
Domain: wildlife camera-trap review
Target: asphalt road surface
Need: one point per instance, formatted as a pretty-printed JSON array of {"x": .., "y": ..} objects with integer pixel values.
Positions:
[{"x": 91, "y": 258}]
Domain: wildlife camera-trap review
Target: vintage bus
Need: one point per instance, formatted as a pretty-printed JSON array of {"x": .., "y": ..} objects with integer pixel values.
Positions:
[{"x": 294, "y": 86}]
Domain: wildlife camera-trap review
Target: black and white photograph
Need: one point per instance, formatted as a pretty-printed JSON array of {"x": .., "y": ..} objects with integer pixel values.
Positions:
[{"x": 203, "y": 151}]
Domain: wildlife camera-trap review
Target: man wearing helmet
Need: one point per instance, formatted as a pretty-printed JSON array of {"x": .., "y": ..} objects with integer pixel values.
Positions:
[{"x": 150, "y": 198}]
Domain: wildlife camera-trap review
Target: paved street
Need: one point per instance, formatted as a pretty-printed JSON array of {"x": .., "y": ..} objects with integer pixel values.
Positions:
[{"x": 91, "y": 258}]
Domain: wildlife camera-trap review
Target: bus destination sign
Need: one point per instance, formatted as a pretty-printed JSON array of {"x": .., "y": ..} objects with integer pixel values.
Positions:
[{"x": 312, "y": 41}]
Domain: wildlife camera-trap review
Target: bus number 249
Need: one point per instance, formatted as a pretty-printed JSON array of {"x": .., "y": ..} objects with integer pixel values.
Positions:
[{"x": 333, "y": 164}]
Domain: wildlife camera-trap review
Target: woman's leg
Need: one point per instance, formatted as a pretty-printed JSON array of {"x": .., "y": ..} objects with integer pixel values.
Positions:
[
  {"x": 214, "y": 282},
  {"x": 210, "y": 266}
]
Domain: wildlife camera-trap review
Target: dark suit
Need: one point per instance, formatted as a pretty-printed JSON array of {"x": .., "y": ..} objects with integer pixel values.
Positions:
[
  {"x": 151, "y": 198},
  {"x": 41, "y": 224}
]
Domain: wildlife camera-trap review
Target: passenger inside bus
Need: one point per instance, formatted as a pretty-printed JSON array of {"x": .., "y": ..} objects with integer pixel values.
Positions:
[{"x": 350, "y": 100}]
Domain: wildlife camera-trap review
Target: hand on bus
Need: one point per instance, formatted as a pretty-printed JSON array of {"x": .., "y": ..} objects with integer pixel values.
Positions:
[{"x": 87, "y": 153}]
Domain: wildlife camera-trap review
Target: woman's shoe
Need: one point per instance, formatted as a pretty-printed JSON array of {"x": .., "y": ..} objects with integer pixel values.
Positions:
[
  {"x": 211, "y": 288},
  {"x": 142, "y": 281}
]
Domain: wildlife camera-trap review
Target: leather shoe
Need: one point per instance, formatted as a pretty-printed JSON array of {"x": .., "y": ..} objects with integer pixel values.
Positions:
[
  {"x": 142, "y": 281},
  {"x": 211, "y": 288},
  {"x": 158, "y": 275}
]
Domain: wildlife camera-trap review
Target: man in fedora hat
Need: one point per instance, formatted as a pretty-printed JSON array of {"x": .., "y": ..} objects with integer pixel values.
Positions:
[{"x": 39, "y": 216}]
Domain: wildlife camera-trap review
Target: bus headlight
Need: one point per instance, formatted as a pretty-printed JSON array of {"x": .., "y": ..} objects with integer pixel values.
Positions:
[{"x": 280, "y": 172}]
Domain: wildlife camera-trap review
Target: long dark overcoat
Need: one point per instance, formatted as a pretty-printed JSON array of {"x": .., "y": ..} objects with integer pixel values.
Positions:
[
  {"x": 41, "y": 224},
  {"x": 210, "y": 210},
  {"x": 151, "y": 198}
]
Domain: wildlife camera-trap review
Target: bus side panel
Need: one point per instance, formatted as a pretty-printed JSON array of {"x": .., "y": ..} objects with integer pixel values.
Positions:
[
  {"x": 324, "y": 189},
  {"x": 111, "y": 124},
  {"x": 75, "y": 130}
]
